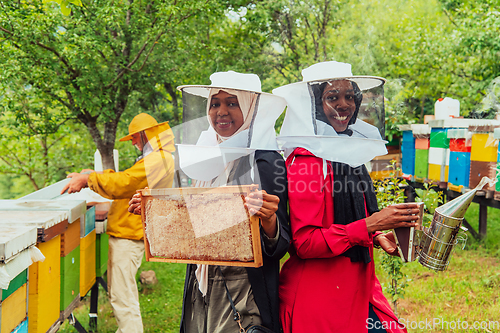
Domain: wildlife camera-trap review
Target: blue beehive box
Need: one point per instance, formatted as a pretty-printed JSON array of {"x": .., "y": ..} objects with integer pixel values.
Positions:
[
  {"x": 459, "y": 170},
  {"x": 408, "y": 153},
  {"x": 408, "y": 138},
  {"x": 89, "y": 220},
  {"x": 22, "y": 327},
  {"x": 408, "y": 160}
]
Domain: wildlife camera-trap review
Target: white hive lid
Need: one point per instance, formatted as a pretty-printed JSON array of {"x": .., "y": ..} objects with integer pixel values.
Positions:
[
  {"x": 74, "y": 208},
  {"x": 462, "y": 123},
  {"x": 15, "y": 239},
  {"x": 39, "y": 219}
]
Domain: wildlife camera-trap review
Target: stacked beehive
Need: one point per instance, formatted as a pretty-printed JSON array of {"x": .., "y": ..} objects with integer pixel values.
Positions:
[
  {"x": 48, "y": 285},
  {"x": 484, "y": 151},
  {"x": 439, "y": 155},
  {"x": 460, "y": 147},
  {"x": 407, "y": 151},
  {"x": 421, "y": 132},
  {"x": 15, "y": 258},
  {"x": 85, "y": 236}
]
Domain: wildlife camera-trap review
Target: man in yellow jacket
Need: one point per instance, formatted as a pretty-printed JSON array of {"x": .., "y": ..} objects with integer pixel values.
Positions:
[{"x": 153, "y": 169}]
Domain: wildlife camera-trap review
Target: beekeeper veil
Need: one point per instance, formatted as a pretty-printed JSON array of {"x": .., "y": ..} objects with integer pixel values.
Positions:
[
  {"x": 334, "y": 115},
  {"x": 223, "y": 122}
]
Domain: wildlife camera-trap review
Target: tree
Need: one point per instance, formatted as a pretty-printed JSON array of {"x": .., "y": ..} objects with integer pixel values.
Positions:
[
  {"x": 94, "y": 60},
  {"x": 37, "y": 141}
]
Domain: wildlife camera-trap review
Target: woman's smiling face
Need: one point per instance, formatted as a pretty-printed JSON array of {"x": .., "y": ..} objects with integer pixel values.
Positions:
[
  {"x": 338, "y": 103},
  {"x": 225, "y": 113}
]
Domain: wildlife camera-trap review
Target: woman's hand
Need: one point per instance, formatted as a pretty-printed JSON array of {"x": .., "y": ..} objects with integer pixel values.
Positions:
[
  {"x": 395, "y": 216},
  {"x": 264, "y": 206},
  {"x": 134, "y": 205},
  {"x": 387, "y": 242}
]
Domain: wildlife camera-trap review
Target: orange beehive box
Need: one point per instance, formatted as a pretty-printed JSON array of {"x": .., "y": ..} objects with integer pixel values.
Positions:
[
  {"x": 421, "y": 143},
  {"x": 201, "y": 225},
  {"x": 70, "y": 238},
  {"x": 45, "y": 287},
  {"x": 87, "y": 262}
]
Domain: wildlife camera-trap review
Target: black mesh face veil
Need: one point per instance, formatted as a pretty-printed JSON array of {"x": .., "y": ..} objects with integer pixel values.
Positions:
[{"x": 317, "y": 90}]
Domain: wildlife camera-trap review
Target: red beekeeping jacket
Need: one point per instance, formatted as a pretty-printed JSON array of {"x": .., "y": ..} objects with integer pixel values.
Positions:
[{"x": 320, "y": 290}]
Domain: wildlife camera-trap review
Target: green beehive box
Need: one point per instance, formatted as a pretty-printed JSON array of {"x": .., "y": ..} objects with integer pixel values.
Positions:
[
  {"x": 439, "y": 138},
  {"x": 421, "y": 163},
  {"x": 101, "y": 253},
  {"x": 70, "y": 278},
  {"x": 14, "y": 284}
]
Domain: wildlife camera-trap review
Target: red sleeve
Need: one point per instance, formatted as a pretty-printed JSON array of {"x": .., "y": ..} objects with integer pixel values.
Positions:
[{"x": 311, "y": 213}]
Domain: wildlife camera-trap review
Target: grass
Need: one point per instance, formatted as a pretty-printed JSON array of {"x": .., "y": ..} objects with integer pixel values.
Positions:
[
  {"x": 161, "y": 304},
  {"x": 467, "y": 291}
]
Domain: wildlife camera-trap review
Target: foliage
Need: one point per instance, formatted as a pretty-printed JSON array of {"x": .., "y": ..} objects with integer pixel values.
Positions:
[
  {"x": 431, "y": 199},
  {"x": 36, "y": 141},
  {"x": 91, "y": 63},
  {"x": 393, "y": 266},
  {"x": 390, "y": 191},
  {"x": 65, "y": 8}
]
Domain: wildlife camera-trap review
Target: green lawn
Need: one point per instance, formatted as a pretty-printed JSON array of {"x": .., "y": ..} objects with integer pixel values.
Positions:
[{"x": 467, "y": 291}]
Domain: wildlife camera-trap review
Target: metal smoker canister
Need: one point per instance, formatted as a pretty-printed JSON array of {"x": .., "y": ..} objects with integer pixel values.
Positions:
[{"x": 439, "y": 239}]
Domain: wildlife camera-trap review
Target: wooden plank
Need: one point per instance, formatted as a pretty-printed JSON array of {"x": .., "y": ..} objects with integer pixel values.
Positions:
[
  {"x": 471, "y": 229},
  {"x": 483, "y": 220},
  {"x": 71, "y": 307},
  {"x": 254, "y": 225},
  {"x": 52, "y": 232}
]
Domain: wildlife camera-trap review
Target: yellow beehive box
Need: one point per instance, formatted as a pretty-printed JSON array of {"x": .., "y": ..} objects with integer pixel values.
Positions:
[
  {"x": 44, "y": 294},
  {"x": 434, "y": 172},
  {"x": 87, "y": 262},
  {"x": 484, "y": 147},
  {"x": 13, "y": 310}
]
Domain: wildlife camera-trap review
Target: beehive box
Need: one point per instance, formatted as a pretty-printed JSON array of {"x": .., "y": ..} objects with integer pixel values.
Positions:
[
  {"x": 70, "y": 238},
  {"x": 13, "y": 310},
  {"x": 201, "y": 225},
  {"x": 89, "y": 222},
  {"x": 22, "y": 328},
  {"x": 101, "y": 255},
  {"x": 87, "y": 262},
  {"x": 484, "y": 147},
  {"x": 459, "y": 168},
  {"x": 478, "y": 170},
  {"x": 14, "y": 284},
  {"x": 44, "y": 295},
  {"x": 421, "y": 163},
  {"x": 70, "y": 278}
]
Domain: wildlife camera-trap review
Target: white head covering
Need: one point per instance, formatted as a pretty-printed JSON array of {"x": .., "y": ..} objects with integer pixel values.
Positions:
[
  {"x": 301, "y": 128},
  {"x": 246, "y": 100},
  {"x": 212, "y": 153}
]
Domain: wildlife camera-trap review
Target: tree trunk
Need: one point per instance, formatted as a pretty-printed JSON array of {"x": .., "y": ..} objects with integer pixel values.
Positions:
[{"x": 171, "y": 91}]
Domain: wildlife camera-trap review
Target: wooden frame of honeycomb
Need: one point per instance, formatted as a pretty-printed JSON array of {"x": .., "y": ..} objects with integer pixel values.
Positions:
[{"x": 201, "y": 226}]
